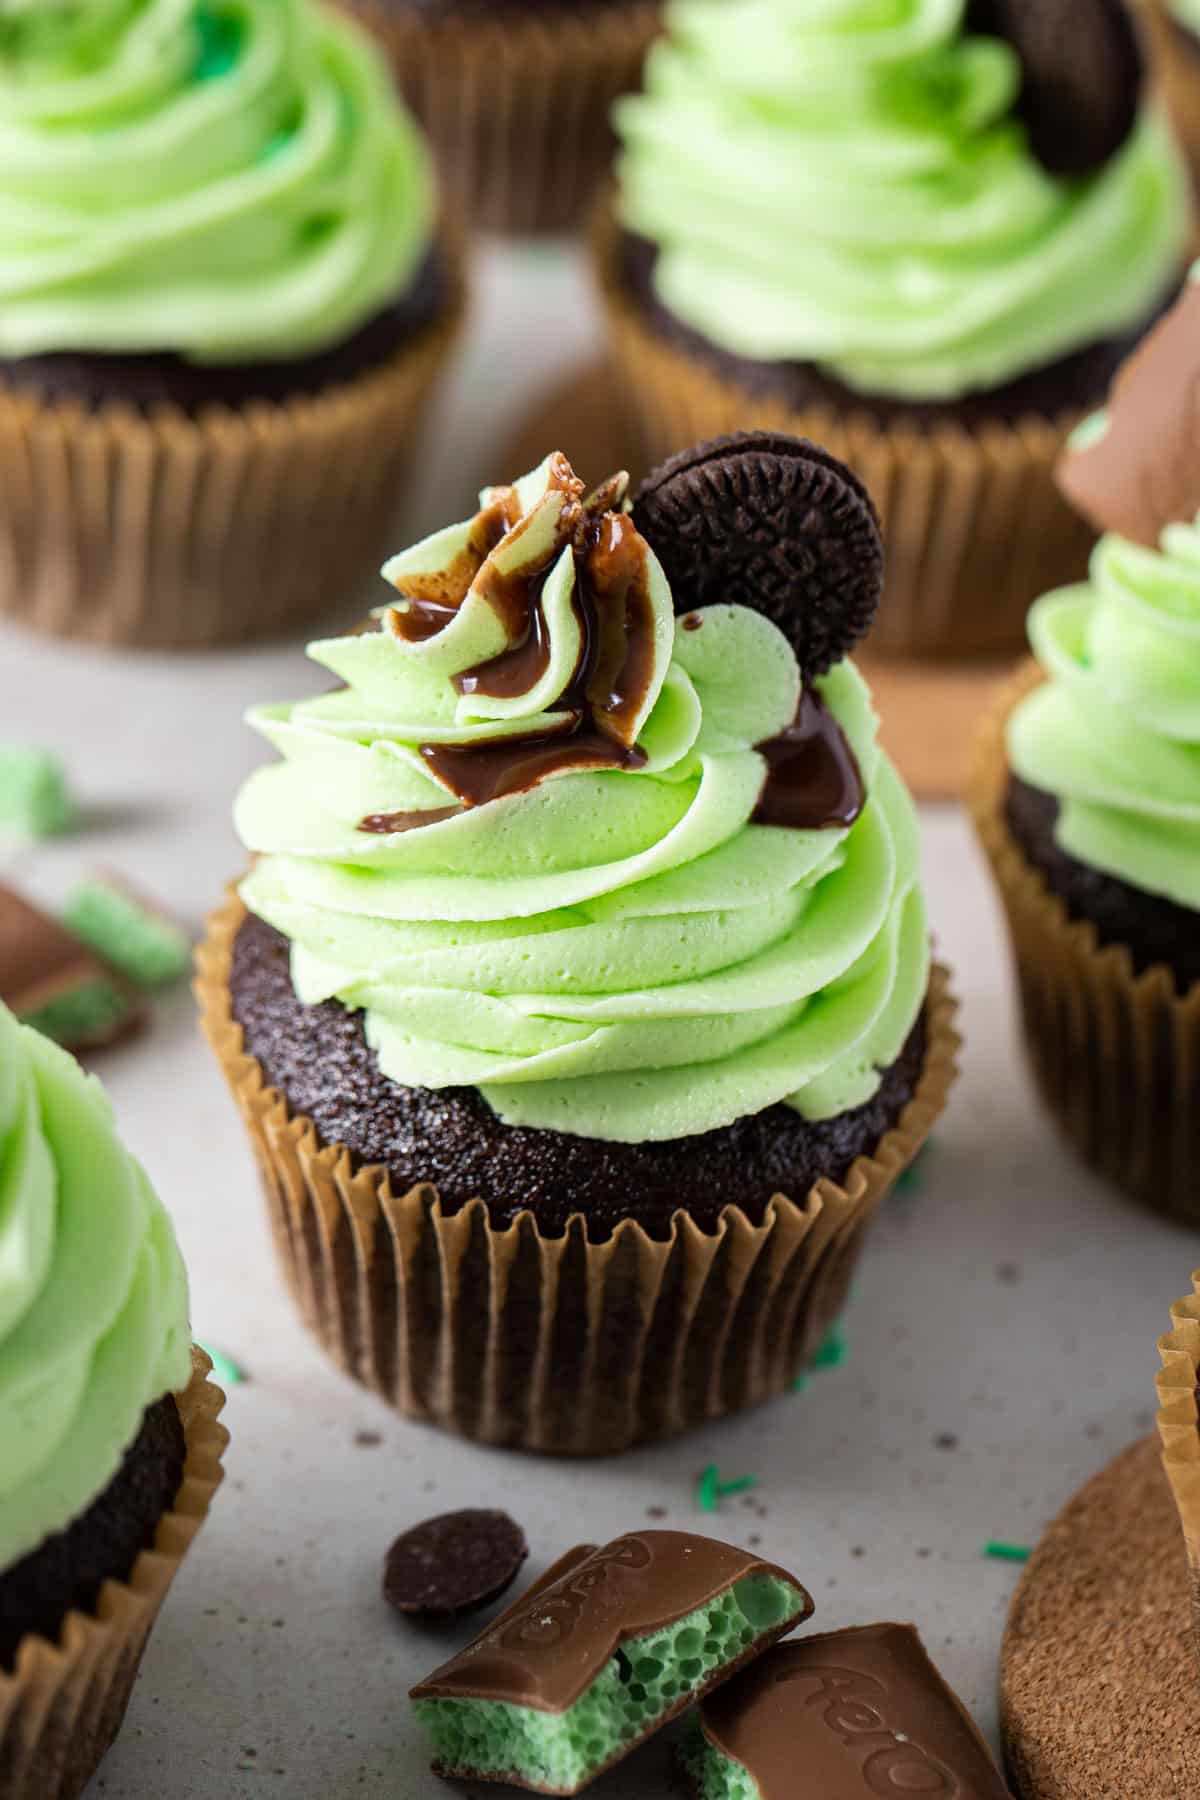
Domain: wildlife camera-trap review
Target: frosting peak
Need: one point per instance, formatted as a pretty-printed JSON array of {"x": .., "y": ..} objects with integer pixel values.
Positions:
[
  {"x": 93, "y": 1296},
  {"x": 225, "y": 179},
  {"x": 523, "y": 839}
]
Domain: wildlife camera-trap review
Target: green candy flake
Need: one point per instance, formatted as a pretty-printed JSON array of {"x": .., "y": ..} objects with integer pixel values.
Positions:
[
  {"x": 648, "y": 1680},
  {"x": 35, "y": 801},
  {"x": 146, "y": 947}
]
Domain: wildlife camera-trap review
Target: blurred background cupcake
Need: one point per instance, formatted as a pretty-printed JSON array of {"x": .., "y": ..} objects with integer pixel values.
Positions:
[
  {"x": 109, "y": 1441},
  {"x": 1087, "y": 792},
  {"x": 1177, "y": 26},
  {"x": 517, "y": 96},
  {"x": 224, "y": 296},
  {"x": 924, "y": 236},
  {"x": 579, "y": 1004}
]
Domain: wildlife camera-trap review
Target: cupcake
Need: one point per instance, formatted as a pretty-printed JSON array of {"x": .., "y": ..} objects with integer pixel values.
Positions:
[
  {"x": 925, "y": 235},
  {"x": 579, "y": 1001},
  {"x": 1179, "y": 1424},
  {"x": 516, "y": 96},
  {"x": 1178, "y": 28},
  {"x": 111, "y": 1446},
  {"x": 1086, "y": 793},
  {"x": 223, "y": 300}
]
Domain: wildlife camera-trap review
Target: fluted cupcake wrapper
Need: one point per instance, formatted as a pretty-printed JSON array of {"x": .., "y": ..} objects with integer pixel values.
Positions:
[
  {"x": 554, "y": 1344},
  {"x": 518, "y": 107},
  {"x": 62, "y": 1704},
  {"x": 180, "y": 533},
  {"x": 974, "y": 524},
  {"x": 1179, "y": 1424},
  {"x": 1115, "y": 1055}
]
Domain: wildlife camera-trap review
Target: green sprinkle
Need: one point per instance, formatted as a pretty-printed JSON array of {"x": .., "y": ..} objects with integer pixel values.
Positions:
[
  {"x": 833, "y": 1351},
  {"x": 224, "y": 1367},
  {"x": 800, "y": 1383},
  {"x": 710, "y": 1489},
  {"x": 34, "y": 799},
  {"x": 910, "y": 1179},
  {"x": 128, "y": 933},
  {"x": 1000, "y": 1552},
  {"x": 742, "y": 1485}
]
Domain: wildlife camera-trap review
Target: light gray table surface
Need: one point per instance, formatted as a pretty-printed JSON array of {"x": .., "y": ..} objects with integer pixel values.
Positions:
[{"x": 1001, "y": 1336}]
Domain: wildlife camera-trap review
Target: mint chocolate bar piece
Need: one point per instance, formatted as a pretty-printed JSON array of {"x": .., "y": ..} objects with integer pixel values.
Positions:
[
  {"x": 34, "y": 799},
  {"x": 128, "y": 931},
  {"x": 840, "y": 1717},
  {"x": 53, "y": 982},
  {"x": 599, "y": 1655}
]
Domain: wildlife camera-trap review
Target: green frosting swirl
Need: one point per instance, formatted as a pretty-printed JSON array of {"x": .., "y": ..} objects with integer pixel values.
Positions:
[
  {"x": 848, "y": 183},
  {"x": 1115, "y": 732},
  {"x": 1188, "y": 14},
  {"x": 224, "y": 179},
  {"x": 620, "y": 953},
  {"x": 93, "y": 1295}
]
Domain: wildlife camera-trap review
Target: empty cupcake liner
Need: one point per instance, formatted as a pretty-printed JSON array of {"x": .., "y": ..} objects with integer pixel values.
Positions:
[
  {"x": 1179, "y": 1424},
  {"x": 517, "y": 106},
  {"x": 63, "y": 1703},
  {"x": 974, "y": 524},
  {"x": 179, "y": 533},
  {"x": 554, "y": 1344},
  {"x": 1115, "y": 1055}
]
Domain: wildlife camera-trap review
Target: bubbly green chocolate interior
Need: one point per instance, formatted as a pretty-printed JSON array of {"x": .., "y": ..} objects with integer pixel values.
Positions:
[
  {"x": 648, "y": 1678},
  {"x": 93, "y": 1295},
  {"x": 849, "y": 183},
  {"x": 228, "y": 180},
  {"x": 1114, "y": 733},
  {"x": 589, "y": 923},
  {"x": 715, "y": 1776}
]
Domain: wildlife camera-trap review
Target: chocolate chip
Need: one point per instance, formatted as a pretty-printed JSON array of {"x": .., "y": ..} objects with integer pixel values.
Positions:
[
  {"x": 772, "y": 522},
  {"x": 1083, "y": 71},
  {"x": 454, "y": 1564}
]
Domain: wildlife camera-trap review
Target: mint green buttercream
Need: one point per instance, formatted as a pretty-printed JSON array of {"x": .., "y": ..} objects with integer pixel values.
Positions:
[
  {"x": 621, "y": 954},
  {"x": 93, "y": 1296},
  {"x": 226, "y": 179},
  {"x": 1188, "y": 13},
  {"x": 847, "y": 182},
  {"x": 1115, "y": 731}
]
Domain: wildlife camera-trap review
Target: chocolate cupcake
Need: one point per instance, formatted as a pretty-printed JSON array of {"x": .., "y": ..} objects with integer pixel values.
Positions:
[
  {"x": 1087, "y": 793},
  {"x": 926, "y": 241},
  {"x": 223, "y": 301},
  {"x": 517, "y": 96},
  {"x": 579, "y": 1001},
  {"x": 108, "y": 1425}
]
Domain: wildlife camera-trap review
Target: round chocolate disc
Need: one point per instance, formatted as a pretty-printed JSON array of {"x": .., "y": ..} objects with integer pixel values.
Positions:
[
  {"x": 775, "y": 523},
  {"x": 454, "y": 1564},
  {"x": 1083, "y": 72}
]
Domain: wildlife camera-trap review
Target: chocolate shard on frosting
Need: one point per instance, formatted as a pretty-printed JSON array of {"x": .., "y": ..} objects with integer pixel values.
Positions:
[
  {"x": 1141, "y": 471},
  {"x": 844, "y": 1716},
  {"x": 607, "y": 1648}
]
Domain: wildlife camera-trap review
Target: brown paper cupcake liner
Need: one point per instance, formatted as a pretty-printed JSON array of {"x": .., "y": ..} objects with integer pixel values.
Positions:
[
  {"x": 1115, "y": 1055},
  {"x": 178, "y": 533},
  {"x": 975, "y": 526},
  {"x": 1179, "y": 1424},
  {"x": 518, "y": 107},
  {"x": 553, "y": 1344},
  {"x": 63, "y": 1703},
  {"x": 1177, "y": 62}
]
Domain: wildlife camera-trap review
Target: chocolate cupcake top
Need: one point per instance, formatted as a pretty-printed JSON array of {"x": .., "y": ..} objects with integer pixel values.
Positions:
[
  {"x": 630, "y": 876},
  {"x": 860, "y": 187},
  {"x": 1114, "y": 733},
  {"x": 93, "y": 1295},
  {"x": 226, "y": 182}
]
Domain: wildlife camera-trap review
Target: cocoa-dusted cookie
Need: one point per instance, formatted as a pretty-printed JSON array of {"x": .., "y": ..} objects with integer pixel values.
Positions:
[
  {"x": 772, "y": 522},
  {"x": 454, "y": 1564},
  {"x": 1083, "y": 69}
]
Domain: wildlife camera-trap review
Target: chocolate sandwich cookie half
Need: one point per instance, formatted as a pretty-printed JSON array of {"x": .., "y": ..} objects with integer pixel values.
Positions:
[
  {"x": 580, "y": 999},
  {"x": 606, "y": 1650}
]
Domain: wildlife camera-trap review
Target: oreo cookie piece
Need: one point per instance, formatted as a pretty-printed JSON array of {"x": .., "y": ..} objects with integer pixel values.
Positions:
[
  {"x": 454, "y": 1564},
  {"x": 775, "y": 523},
  {"x": 1083, "y": 68}
]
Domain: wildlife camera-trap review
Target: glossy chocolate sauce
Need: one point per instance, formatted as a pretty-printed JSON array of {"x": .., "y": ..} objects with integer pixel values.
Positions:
[
  {"x": 813, "y": 780},
  {"x": 595, "y": 722},
  {"x": 385, "y": 824}
]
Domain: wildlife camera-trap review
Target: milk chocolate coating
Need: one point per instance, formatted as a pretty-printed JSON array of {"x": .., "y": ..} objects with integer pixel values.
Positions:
[
  {"x": 1144, "y": 473},
  {"x": 849, "y": 1715},
  {"x": 548, "y": 1651},
  {"x": 41, "y": 962}
]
